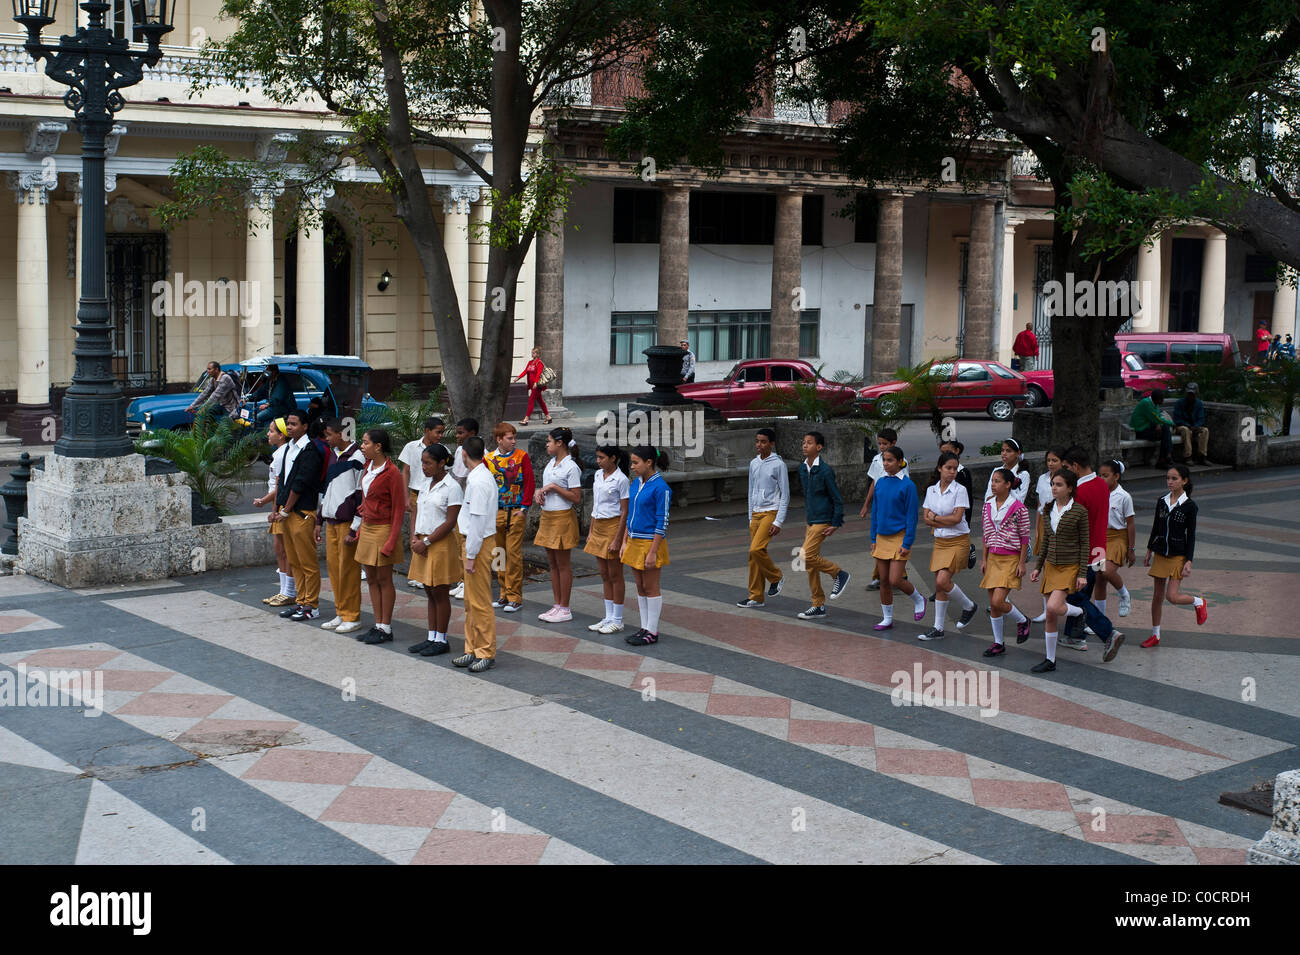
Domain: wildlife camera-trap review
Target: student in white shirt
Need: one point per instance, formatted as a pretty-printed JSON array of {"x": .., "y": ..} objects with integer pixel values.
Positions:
[
  {"x": 1121, "y": 539},
  {"x": 1012, "y": 458},
  {"x": 769, "y": 497},
  {"x": 465, "y": 428},
  {"x": 558, "y": 531},
  {"x": 477, "y": 523},
  {"x": 413, "y": 472},
  {"x": 435, "y": 550},
  {"x": 1053, "y": 462},
  {"x": 946, "y": 509},
  {"x": 609, "y": 493},
  {"x": 276, "y": 436}
]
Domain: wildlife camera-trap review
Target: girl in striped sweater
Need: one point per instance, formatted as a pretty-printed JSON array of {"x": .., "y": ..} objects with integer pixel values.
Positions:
[{"x": 1006, "y": 549}]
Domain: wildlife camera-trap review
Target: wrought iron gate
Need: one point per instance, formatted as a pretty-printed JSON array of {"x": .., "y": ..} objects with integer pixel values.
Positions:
[
  {"x": 135, "y": 262},
  {"x": 1042, "y": 320}
]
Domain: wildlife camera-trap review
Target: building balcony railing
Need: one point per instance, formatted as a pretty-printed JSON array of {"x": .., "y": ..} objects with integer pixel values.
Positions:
[{"x": 174, "y": 67}]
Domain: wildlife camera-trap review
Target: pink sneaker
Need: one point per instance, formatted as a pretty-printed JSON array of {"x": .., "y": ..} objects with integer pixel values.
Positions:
[
  {"x": 883, "y": 626},
  {"x": 561, "y": 615},
  {"x": 546, "y": 615}
]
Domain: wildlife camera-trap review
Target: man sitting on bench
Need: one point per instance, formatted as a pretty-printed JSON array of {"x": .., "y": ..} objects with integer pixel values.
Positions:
[
  {"x": 1151, "y": 424},
  {"x": 1189, "y": 421}
]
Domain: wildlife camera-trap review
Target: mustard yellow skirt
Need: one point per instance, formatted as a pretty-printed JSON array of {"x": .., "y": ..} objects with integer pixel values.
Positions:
[
  {"x": 638, "y": 548},
  {"x": 1000, "y": 571},
  {"x": 439, "y": 564},
  {"x": 558, "y": 530},
  {"x": 887, "y": 548},
  {"x": 1166, "y": 567},
  {"x": 1059, "y": 577},
  {"x": 277, "y": 528},
  {"x": 950, "y": 553},
  {"x": 1116, "y": 545},
  {"x": 370, "y": 540},
  {"x": 604, "y": 531}
]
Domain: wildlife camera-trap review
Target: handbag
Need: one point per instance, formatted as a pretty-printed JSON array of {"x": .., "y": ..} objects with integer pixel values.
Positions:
[{"x": 547, "y": 376}]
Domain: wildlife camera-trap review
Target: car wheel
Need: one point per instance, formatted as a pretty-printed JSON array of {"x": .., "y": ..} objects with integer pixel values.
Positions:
[
  {"x": 1037, "y": 398},
  {"x": 1002, "y": 409},
  {"x": 889, "y": 407}
]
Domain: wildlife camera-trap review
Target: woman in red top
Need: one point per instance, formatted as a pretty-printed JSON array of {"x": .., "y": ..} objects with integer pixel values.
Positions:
[
  {"x": 378, "y": 537},
  {"x": 534, "y": 371}
]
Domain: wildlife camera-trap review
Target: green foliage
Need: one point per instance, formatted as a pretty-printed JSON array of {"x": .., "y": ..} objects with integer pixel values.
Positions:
[
  {"x": 922, "y": 393},
  {"x": 1280, "y": 383},
  {"x": 991, "y": 450},
  {"x": 406, "y": 414},
  {"x": 213, "y": 454},
  {"x": 801, "y": 400}
]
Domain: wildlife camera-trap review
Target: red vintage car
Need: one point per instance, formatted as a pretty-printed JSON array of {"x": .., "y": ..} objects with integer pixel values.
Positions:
[
  {"x": 965, "y": 385},
  {"x": 741, "y": 393},
  {"x": 1137, "y": 376}
]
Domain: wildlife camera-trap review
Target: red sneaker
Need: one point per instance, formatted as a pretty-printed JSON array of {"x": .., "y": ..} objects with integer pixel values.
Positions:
[
  {"x": 1203, "y": 611},
  {"x": 1151, "y": 641}
]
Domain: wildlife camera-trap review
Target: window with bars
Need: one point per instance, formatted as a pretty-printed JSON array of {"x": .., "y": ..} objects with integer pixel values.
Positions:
[{"x": 713, "y": 335}]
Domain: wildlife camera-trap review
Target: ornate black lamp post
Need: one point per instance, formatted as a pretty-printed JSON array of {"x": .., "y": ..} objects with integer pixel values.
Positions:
[{"x": 95, "y": 66}]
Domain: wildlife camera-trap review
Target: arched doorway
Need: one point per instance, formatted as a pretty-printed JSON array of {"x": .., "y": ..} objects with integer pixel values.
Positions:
[{"x": 338, "y": 290}]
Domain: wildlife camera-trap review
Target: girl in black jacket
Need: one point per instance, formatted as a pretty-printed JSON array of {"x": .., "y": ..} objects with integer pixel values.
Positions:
[{"x": 1172, "y": 541}]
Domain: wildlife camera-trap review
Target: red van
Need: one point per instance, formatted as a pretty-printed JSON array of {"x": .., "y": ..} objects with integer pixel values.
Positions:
[{"x": 1175, "y": 351}]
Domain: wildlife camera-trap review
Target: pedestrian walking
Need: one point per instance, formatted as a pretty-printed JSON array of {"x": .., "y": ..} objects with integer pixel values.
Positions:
[
  {"x": 824, "y": 512},
  {"x": 645, "y": 548},
  {"x": 1025, "y": 348},
  {"x": 477, "y": 523},
  {"x": 297, "y": 496},
  {"x": 435, "y": 548},
  {"x": 512, "y": 469},
  {"x": 1006, "y": 553},
  {"x": 533, "y": 373},
  {"x": 558, "y": 531},
  {"x": 955, "y": 447},
  {"x": 893, "y": 530},
  {"x": 1121, "y": 539},
  {"x": 769, "y": 498},
  {"x": 1053, "y": 461},
  {"x": 1170, "y": 549},
  {"x": 336, "y": 519},
  {"x": 1062, "y": 559},
  {"x": 944, "y": 511},
  {"x": 276, "y": 436},
  {"x": 1094, "y": 495},
  {"x": 1013, "y": 461},
  {"x": 885, "y": 438},
  {"x": 379, "y": 537},
  {"x": 609, "y": 504}
]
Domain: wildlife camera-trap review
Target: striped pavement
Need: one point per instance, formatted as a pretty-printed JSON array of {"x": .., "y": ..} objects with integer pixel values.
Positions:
[{"x": 230, "y": 736}]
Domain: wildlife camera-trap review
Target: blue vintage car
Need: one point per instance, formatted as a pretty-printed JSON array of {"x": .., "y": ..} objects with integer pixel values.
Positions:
[{"x": 341, "y": 381}]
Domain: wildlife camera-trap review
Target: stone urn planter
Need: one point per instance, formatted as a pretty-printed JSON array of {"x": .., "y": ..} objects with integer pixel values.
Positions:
[{"x": 665, "y": 364}]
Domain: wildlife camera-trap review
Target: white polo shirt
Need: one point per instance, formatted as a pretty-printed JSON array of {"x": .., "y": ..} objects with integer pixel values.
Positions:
[{"x": 478, "y": 513}]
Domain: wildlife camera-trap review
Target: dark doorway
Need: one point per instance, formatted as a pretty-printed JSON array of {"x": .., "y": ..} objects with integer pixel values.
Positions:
[
  {"x": 338, "y": 290},
  {"x": 1185, "y": 285},
  {"x": 134, "y": 263}
]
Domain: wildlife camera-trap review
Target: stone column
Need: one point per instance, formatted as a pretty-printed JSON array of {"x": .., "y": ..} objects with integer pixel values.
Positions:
[
  {"x": 548, "y": 314},
  {"x": 1148, "y": 273},
  {"x": 979, "y": 283},
  {"x": 887, "y": 308},
  {"x": 310, "y": 308},
  {"x": 456, "y": 239},
  {"x": 1284, "y": 309},
  {"x": 787, "y": 275},
  {"x": 257, "y": 309},
  {"x": 479, "y": 293},
  {"x": 33, "y": 307},
  {"x": 674, "y": 263},
  {"x": 1008, "y": 317},
  {"x": 1214, "y": 282}
]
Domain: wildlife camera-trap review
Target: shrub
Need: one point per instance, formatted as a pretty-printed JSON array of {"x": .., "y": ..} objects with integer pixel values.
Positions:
[{"x": 213, "y": 455}]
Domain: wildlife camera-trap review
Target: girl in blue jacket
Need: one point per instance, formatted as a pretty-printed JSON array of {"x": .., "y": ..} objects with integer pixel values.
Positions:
[
  {"x": 645, "y": 548},
  {"x": 893, "y": 530}
]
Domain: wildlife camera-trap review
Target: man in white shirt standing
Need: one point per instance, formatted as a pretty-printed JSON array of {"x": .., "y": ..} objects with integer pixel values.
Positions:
[
  {"x": 769, "y": 497},
  {"x": 477, "y": 524},
  {"x": 465, "y": 428}
]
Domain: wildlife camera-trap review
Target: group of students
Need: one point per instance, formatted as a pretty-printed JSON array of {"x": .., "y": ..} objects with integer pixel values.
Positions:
[{"x": 1084, "y": 532}]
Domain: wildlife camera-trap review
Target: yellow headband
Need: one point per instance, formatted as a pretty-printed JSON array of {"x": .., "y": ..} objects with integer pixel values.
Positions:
[{"x": 282, "y": 426}]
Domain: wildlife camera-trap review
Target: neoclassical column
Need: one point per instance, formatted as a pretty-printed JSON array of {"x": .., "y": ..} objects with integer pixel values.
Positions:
[
  {"x": 32, "y": 300},
  {"x": 887, "y": 298},
  {"x": 548, "y": 313},
  {"x": 257, "y": 318},
  {"x": 979, "y": 283},
  {"x": 480, "y": 215},
  {"x": 1148, "y": 273},
  {"x": 1214, "y": 282},
  {"x": 310, "y": 283},
  {"x": 787, "y": 274},
  {"x": 1008, "y": 318},
  {"x": 456, "y": 239},
  {"x": 674, "y": 263},
  {"x": 1284, "y": 298}
]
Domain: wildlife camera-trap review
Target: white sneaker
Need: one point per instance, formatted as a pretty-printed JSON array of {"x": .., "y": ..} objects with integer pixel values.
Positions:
[
  {"x": 331, "y": 624},
  {"x": 561, "y": 615},
  {"x": 415, "y": 584},
  {"x": 612, "y": 626},
  {"x": 595, "y": 627},
  {"x": 1040, "y": 618},
  {"x": 546, "y": 614},
  {"x": 348, "y": 626},
  {"x": 458, "y": 592},
  {"x": 363, "y": 573},
  {"x": 1125, "y": 605},
  {"x": 1089, "y": 631}
]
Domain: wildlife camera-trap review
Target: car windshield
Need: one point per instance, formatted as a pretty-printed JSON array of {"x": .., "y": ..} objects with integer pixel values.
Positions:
[{"x": 731, "y": 375}]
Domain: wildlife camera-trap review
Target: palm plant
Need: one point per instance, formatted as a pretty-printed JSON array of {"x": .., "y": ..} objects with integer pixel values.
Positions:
[
  {"x": 213, "y": 455},
  {"x": 405, "y": 414},
  {"x": 801, "y": 400},
  {"x": 922, "y": 391}
]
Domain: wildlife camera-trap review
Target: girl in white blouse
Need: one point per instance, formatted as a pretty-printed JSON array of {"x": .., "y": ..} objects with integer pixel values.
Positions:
[
  {"x": 1012, "y": 458},
  {"x": 558, "y": 531},
  {"x": 945, "y": 509},
  {"x": 435, "y": 552},
  {"x": 1121, "y": 539},
  {"x": 609, "y": 491}
]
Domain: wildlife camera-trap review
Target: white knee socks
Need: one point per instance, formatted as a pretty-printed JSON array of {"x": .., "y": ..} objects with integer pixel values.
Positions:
[
  {"x": 997, "y": 629},
  {"x": 1016, "y": 615},
  {"x": 940, "y": 612},
  {"x": 1051, "y": 645},
  {"x": 957, "y": 595},
  {"x": 653, "y": 607}
]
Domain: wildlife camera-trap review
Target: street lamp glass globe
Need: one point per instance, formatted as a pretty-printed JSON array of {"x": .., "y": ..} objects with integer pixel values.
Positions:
[
  {"x": 153, "y": 13},
  {"x": 40, "y": 9}
]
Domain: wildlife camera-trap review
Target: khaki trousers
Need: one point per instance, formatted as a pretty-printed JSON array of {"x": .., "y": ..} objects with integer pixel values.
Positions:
[
  {"x": 344, "y": 571},
  {"x": 480, "y": 618},
  {"x": 815, "y": 564},
  {"x": 762, "y": 570},
  {"x": 511, "y": 522},
  {"x": 300, "y": 547},
  {"x": 1202, "y": 439}
]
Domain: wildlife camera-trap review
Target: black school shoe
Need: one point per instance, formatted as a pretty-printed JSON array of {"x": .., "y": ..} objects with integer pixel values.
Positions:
[
  {"x": 417, "y": 647},
  {"x": 1047, "y": 666},
  {"x": 968, "y": 615},
  {"x": 377, "y": 636},
  {"x": 303, "y": 612},
  {"x": 641, "y": 638},
  {"x": 435, "y": 648},
  {"x": 288, "y": 612}
]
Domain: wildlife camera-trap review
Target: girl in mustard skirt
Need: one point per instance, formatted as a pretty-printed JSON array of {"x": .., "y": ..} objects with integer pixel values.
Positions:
[
  {"x": 1169, "y": 550},
  {"x": 609, "y": 493},
  {"x": 1006, "y": 549},
  {"x": 1121, "y": 538},
  {"x": 558, "y": 531},
  {"x": 435, "y": 551},
  {"x": 1063, "y": 558},
  {"x": 946, "y": 505}
]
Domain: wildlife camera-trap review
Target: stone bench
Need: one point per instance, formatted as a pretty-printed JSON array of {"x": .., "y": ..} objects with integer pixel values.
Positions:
[{"x": 1150, "y": 449}]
